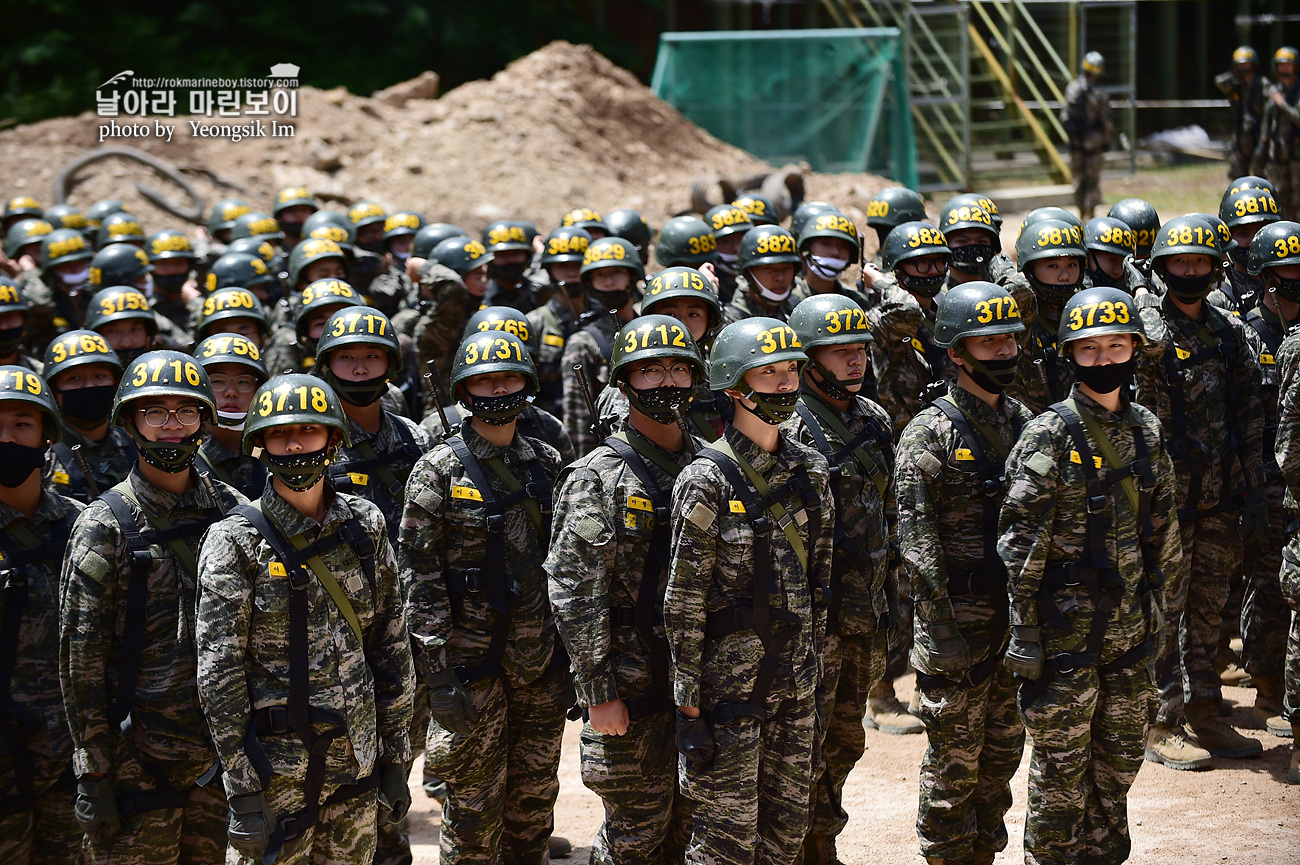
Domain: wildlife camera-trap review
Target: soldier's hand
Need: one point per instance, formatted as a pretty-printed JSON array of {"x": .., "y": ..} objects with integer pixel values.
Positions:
[
  {"x": 695, "y": 740},
  {"x": 710, "y": 273},
  {"x": 394, "y": 794},
  {"x": 1278, "y": 98},
  {"x": 870, "y": 273},
  {"x": 1254, "y": 516},
  {"x": 450, "y": 703},
  {"x": 948, "y": 652},
  {"x": 249, "y": 825},
  {"x": 96, "y": 809},
  {"x": 1024, "y": 655},
  {"x": 609, "y": 719}
]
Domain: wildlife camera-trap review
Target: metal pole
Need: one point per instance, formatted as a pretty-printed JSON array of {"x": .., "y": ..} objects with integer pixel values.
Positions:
[
  {"x": 1132, "y": 88},
  {"x": 963, "y": 33}
]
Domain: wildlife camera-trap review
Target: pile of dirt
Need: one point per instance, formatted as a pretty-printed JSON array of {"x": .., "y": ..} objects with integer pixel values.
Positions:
[{"x": 562, "y": 127}]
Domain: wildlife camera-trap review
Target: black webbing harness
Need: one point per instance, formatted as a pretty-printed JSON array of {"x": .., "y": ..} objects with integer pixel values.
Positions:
[
  {"x": 491, "y": 575},
  {"x": 1095, "y": 571},
  {"x": 990, "y": 579},
  {"x": 872, "y": 450},
  {"x": 343, "y": 474},
  {"x": 22, "y": 549},
  {"x": 1195, "y": 455},
  {"x": 774, "y": 626},
  {"x": 160, "y": 531},
  {"x": 1051, "y": 359},
  {"x": 1272, "y": 337},
  {"x": 648, "y": 610},
  {"x": 298, "y": 715}
]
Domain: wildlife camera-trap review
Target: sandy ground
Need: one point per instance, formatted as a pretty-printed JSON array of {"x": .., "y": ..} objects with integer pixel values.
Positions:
[{"x": 1242, "y": 811}]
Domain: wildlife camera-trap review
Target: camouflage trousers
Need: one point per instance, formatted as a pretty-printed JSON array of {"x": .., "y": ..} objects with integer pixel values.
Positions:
[
  {"x": 502, "y": 779},
  {"x": 1286, "y": 180},
  {"x": 647, "y": 822},
  {"x": 1086, "y": 167},
  {"x": 392, "y": 842},
  {"x": 194, "y": 835},
  {"x": 1185, "y": 668},
  {"x": 852, "y": 665},
  {"x": 1265, "y": 616},
  {"x": 900, "y": 647},
  {"x": 751, "y": 803},
  {"x": 1239, "y": 159},
  {"x": 1290, "y": 584},
  {"x": 976, "y": 740},
  {"x": 1088, "y": 732},
  {"x": 344, "y": 832},
  {"x": 46, "y": 835}
]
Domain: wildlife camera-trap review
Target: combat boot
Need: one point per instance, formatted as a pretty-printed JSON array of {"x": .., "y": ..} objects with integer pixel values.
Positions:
[
  {"x": 1168, "y": 746},
  {"x": 819, "y": 850},
  {"x": 888, "y": 715},
  {"x": 1206, "y": 729},
  {"x": 982, "y": 857},
  {"x": 1268, "y": 706},
  {"x": 559, "y": 847}
]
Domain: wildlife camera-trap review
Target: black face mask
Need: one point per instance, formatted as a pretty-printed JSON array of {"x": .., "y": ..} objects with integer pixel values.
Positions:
[
  {"x": 835, "y": 388},
  {"x": 994, "y": 375},
  {"x": 1106, "y": 379},
  {"x": 1189, "y": 289},
  {"x": 924, "y": 286},
  {"x": 17, "y": 462},
  {"x": 508, "y": 274},
  {"x": 291, "y": 230},
  {"x": 365, "y": 392},
  {"x": 613, "y": 300},
  {"x": 1288, "y": 289},
  {"x": 298, "y": 472},
  {"x": 11, "y": 338},
  {"x": 974, "y": 258},
  {"x": 771, "y": 408},
  {"x": 1053, "y": 294},
  {"x": 660, "y": 404},
  {"x": 1100, "y": 277},
  {"x": 376, "y": 246},
  {"x": 170, "y": 284},
  {"x": 572, "y": 290},
  {"x": 1241, "y": 256},
  {"x": 89, "y": 404},
  {"x": 498, "y": 410},
  {"x": 126, "y": 355}
]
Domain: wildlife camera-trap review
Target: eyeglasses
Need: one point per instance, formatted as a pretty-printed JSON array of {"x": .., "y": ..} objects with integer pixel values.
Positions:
[
  {"x": 186, "y": 415},
  {"x": 243, "y": 383},
  {"x": 680, "y": 372}
]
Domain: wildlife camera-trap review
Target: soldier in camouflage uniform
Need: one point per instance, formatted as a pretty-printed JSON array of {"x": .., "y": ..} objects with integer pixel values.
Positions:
[
  {"x": 312, "y": 299},
  {"x": 473, "y": 540},
  {"x": 58, "y": 290},
  {"x": 309, "y": 705},
  {"x": 233, "y": 310},
  {"x": 15, "y": 313},
  {"x": 36, "y": 820},
  {"x": 1245, "y": 88},
  {"x": 1089, "y": 534},
  {"x": 768, "y": 263},
  {"x": 557, "y": 319},
  {"x": 744, "y": 611},
  {"x": 611, "y": 269},
  {"x": 144, "y": 758},
  {"x": 392, "y": 291},
  {"x": 1107, "y": 242},
  {"x": 1087, "y": 122},
  {"x": 688, "y": 241},
  {"x": 828, "y": 245},
  {"x": 855, "y": 435},
  {"x": 235, "y": 370},
  {"x": 454, "y": 282},
  {"x": 608, "y": 568},
  {"x": 83, "y": 373},
  {"x": 729, "y": 224},
  {"x": 1265, "y": 608},
  {"x": 1243, "y": 213},
  {"x": 950, "y": 467},
  {"x": 1198, "y": 373},
  {"x": 511, "y": 249},
  {"x": 1277, "y": 156},
  {"x": 890, "y": 208}
]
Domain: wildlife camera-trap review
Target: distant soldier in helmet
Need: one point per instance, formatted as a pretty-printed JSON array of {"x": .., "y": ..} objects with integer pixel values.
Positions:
[
  {"x": 1277, "y": 156},
  {"x": 303, "y": 655},
  {"x": 293, "y": 349},
  {"x": 1087, "y": 121},
  {"x": 292, "y": 207},
  {"x": 235, "y": 370},
  {"x": 768, "y": 262},
  {"x": 558, "y": 319},
  {"x": 145, "y": 762},
  {"x": 15, "y": 313},
  {"x": 452, "y": 284},
  {"x": 511, "y": 248},
  {"x": 1245, "y": 88}
]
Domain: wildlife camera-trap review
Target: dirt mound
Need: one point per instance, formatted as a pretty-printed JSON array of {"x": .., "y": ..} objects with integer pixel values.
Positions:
[{"x": 559, "y": 128}]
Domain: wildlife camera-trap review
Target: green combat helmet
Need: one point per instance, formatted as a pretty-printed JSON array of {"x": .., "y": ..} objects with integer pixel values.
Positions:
[
  {"x": 20, "y": 384},
  {"x": 1093, "y": 63},
  {"x": 767, "y": 244},
  {"x": 293, "y": 196},
  {"x": 726, "y": 220},
  {"x": 223, "y": 215},
  {"x": 806, "y": 211},
  {"x": 749, "y": 344},
  {"x": 252, "y": 246},
  {"x": 66, "y": 216},
  {"x": 366, "y": 213},
  {"x": 631, "y": 226},
  {"x": 510, "y": 320},
  {"x": 891, "y": 207},
  {"x": 321, "y": 293},
  {"x": 22, "y": 207},
  {"x": 359, "y": 325},
  {"x": 687, "y": 241},
  {"x": 504, "y": 235},
  {"x": 461, "y": 254},
  {"x": 295, "y": 398},
  {"x": 488, "y": 352},
  {"x": 1106, "y": 234},
  {"x": 78, "y": 348},
  {"x": 656, "y": 337},
  {"x": 1038, "y": 214},
  {"x": 227, "y": 303},
  {"x": 915, "y": 240},
  {"x": 238, "y": 270},
  {"x": 684, "y": 282},
  {"x": 1051, "y": 238},
  {"x": 830, "y": 319},
  {"x": 259, "y": 226},
  {"x": 63, "y": 245},
  {"x": 119, "y": 264},
  {"x": 165, "y": 373},
  {"x": 1285, "y": 54},
  {"x": 120, "y": 303},
  {"x": 1140, "y": 216},
  {"x": 832, "y": 225},
  {"x": 1247, "y": 206},
  {"x": 1096, "y": 311},
  {"x": 331, "y": 225},
  {"x": 25, "y": 232},
  {"x": 231, "y": 348},
  {"x": 12, "y": 300},
  {"x": 404, "y": 223},
  {"x": 119, "y": 228},
  {"x": 962, "y": 212},
  {"x": 102, "y": 209},
  {"x": 585, "y": 217},
  {"x": 1276, "y": 245},
  {"x": 612, "y": 252},
  {"x": 428, "y": 238},
  {"x": 979, "y": 309},
  {"x": 761, "y": 209},
  {"x": 1249, "y": 181},
  {"x": 309, "y": 251},
  {"x": 168, "y": 243},
  {"x": 565, "y": 244}
]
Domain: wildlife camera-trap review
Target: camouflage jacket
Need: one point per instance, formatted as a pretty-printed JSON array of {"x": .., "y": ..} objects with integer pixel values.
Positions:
[
  {"x": 712, "y": 570},
  {"x": 285, "y": 352},
  {"x": 1221, "y": 421},
  {"x": 600, "y": 542},
  {"x": 554, "y": 324},
  {"x": 941, "y": 526},
  {"x": 1241, "y": 291},
  {"x": 1086, "y": 116},
  {"x": 441, "y": 326},
  {"x": 356, "y": 471},
  {"x": 241, "y": 472},
  {"x": 584, "y": 348},
  {"x": 1270, "y": 334},
  {"x": 533, "y": 422},
  {"x": 243, "y": 644},
  {"x": 802, "y": 291},
  {"x": 1279, "y": 131},
  {"x": 110, "y": 460},
  {"x": 1287, "y": 448},
  {"x": 1043, "y": 523},
  {"x": 168, "y": 722},
  {"x": 444, "y": 532},
  {"x": 861, "y": 510},
  {"x": 1043, "y": 374},
  {"x": 34, "y": 682},
  {"x": 744, "y": 305},
  {"x": 392, "y": 291},
  {"x": 905, "y": 361},
  {"x": 51, "y": 311},
  {"x": 523, "y": 298},
  {"x": 1247, "y": 103}
]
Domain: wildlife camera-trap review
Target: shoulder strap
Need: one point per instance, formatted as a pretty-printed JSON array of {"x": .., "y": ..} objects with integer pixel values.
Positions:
[
  {"x": 77, "y": 481},
  {"x": 137, "y": 551},
  {"x": 992, "y": 475},
  {"x": 604, "y": 343},
  {"x": 853, "y": 445},
  {"x": 28, "y": 550}
]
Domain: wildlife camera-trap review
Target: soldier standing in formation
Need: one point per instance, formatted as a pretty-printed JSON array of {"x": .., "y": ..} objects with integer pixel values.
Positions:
[{"x": 1086, "y": 118}]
